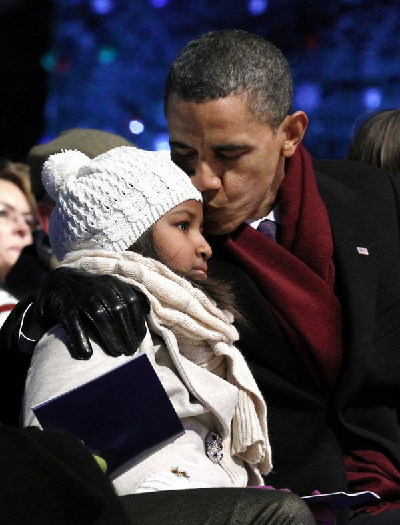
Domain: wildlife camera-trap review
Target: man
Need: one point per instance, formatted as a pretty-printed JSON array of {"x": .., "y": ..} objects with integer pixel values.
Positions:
[
  {"x": 321, "y": 337},
  {"x": 321, "y": 299}
]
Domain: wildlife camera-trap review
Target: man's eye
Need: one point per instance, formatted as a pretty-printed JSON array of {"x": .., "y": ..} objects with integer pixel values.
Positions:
[
  {"x": 184, "y": 162},
  {"x": 230, "y": 154},
  {"x": 183, "y": 154},
  {"x": 180, "y": 159}
]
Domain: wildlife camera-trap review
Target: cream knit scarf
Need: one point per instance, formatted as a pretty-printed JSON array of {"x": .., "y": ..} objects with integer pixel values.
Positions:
[{"x": 208, "y": 334}]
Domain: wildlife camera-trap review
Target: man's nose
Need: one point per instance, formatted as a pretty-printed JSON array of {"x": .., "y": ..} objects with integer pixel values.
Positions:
[{"x": 206, "y": 176}]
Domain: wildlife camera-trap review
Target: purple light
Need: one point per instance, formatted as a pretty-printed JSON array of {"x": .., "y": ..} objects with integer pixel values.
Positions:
[{"x": 159, "y": 3}]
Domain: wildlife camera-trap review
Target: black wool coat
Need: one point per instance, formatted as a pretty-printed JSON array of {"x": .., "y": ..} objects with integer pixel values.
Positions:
[{"x": 307, "y": 430}]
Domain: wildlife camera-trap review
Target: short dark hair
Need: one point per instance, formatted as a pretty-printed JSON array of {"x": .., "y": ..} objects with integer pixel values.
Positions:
[
  {"x": 377, "y": 141},
  {"x": 232, "y": 62}
]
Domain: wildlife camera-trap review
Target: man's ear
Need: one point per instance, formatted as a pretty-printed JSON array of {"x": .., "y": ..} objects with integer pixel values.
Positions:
[{"x": 294, "y": 127}]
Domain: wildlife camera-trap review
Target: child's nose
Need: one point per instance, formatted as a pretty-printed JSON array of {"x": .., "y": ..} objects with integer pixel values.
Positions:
[{"x": 204, "y": 250}]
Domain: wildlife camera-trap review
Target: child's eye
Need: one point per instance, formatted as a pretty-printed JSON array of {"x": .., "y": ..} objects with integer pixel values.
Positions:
[{"x": 184, "y": 226}]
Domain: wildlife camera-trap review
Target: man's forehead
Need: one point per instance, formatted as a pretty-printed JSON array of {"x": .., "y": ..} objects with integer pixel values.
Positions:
[
  {"x": 231, "y": 115},
  {"x": 175, "y": 103},
  {"x": 223, "y": 146}
]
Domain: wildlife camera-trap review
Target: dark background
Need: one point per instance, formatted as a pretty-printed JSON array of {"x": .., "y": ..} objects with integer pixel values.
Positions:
[
  {"x": 102, "y": 63},
  {"x": 24, "y": 37}
]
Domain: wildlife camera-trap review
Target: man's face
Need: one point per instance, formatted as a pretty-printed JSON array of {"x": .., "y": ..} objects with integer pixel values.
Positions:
[{"x": 233, "y": 158}]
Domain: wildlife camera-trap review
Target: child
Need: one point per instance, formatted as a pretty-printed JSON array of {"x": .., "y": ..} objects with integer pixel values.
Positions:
[{"x": 136, "y": 215}]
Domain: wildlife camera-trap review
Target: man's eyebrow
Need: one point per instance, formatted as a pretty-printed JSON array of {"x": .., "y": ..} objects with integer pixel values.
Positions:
[
  {"x": 230, "y": 147},
  {"x": 176, "y": 144},
  {"x": 221, "y": 147}
]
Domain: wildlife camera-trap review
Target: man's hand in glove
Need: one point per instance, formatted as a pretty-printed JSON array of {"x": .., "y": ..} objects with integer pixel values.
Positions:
[{"x": 84, "y": 303}]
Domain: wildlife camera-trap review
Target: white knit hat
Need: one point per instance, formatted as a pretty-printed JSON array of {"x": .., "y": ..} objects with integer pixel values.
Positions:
[{"x": 108, "y": 202}]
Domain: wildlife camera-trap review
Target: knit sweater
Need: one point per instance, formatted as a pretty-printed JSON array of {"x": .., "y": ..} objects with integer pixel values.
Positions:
[{"x": 190, "y": 344}]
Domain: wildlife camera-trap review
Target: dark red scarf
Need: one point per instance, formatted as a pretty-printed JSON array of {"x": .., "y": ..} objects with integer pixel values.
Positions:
[
  {"x": 297, "y": 276},
  {"x": 372, "y": 470}
]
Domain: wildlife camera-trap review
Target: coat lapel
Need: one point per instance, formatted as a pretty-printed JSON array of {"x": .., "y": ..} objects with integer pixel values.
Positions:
[{"x": 356, "y": 278}]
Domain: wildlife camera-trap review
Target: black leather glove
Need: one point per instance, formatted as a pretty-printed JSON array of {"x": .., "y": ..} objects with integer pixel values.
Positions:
[{"x": 84, "y": 304}]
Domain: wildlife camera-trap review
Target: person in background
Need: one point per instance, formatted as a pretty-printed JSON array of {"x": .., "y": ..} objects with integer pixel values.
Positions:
[
  {"x": 38, "y": 256},
  {"x": 377, "y": 141},
  {"x": 17, "y": 220}
]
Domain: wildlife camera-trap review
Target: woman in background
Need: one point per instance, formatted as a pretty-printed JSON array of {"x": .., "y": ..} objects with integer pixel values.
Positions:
[
  {"x": 377, "y": 142},
  {"x": 17, "y": 219}
]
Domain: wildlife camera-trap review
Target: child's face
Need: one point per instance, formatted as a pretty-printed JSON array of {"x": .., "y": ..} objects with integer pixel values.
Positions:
[{"x": 180, "y": 242}]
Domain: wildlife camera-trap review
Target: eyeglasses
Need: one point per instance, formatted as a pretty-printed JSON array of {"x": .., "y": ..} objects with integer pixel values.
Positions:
[{"x": 9, "y": 214}]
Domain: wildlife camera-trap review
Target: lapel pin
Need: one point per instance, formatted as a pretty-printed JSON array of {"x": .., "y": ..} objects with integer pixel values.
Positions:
[{"x": 362, "y": 251}]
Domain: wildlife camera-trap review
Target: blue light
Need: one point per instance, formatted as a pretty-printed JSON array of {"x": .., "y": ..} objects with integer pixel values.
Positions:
[
  {"x": 372, "y": 98},
  {"x": 46, "y": 138},
  {"x": 257, "y": 7},
  {"x": 136, "y": 127},
  {"x": 159, "y": 3},
  {"x": 307, "y": 96},
  {"x": 107, "y": 55},
  {"x": 102, "y": 7},
  {"x": 48, "y": 61},
  {"x": 161, "y": 142}
]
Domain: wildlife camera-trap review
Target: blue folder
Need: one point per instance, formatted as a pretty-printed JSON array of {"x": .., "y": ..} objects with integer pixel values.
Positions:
[{"x": 122, "y": 415}]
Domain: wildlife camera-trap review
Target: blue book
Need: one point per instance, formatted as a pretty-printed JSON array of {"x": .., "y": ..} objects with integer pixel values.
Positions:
[{"x": 122, "y": 415}]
